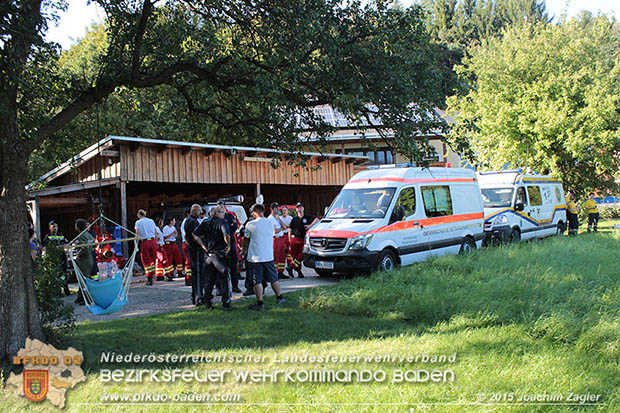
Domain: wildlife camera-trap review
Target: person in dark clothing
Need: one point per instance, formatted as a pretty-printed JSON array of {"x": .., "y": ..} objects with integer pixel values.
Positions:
[
  {"x": 233, "y": 256},
  {"x": 53, "y": 243},
  {"x": 217, "y": 245},
  {"x": 196, "y": 255}
]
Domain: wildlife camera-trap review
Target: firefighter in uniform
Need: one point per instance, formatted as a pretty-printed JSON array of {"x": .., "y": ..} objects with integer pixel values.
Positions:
[
  {"x": 53, "y": 243},
  {"x": 279, "y": 247},
  {"x": 188, "y": 264},
  {"x": 216, "y": 245},
  {"x": 233, "y": 255},
  {"x": 163, "y": 268},
  {"x": 196, "y": 255},
  {"x": 147, "y": 231},
  {"x": 592, "y": 209},
  {"x": 172, "y": 249},
  {"x": 299, "y": 225},
  {"x": 572, "y": 211}
]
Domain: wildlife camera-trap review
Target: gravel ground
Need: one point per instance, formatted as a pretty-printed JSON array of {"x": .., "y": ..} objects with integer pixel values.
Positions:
[{"x": 166, "y": 296}]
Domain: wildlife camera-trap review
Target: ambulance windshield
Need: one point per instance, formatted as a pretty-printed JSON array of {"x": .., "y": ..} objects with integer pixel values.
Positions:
[
  {"x": 361, "y": 203},
  {"x": 496, "y": 197}
]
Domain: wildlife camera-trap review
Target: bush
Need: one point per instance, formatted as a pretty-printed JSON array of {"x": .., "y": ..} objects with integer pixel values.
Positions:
[
  {"x": 57, "y": 318},
  {"x": 609, "y": 212}
]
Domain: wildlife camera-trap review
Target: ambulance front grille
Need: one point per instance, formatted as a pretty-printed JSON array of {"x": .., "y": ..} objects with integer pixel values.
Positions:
[{"x": 328, "y": 244}]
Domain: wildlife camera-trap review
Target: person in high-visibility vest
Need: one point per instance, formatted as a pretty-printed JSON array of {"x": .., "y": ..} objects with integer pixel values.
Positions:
[
  {"x": 572, "y": 211},
  {"x": 592, "y": 209}
]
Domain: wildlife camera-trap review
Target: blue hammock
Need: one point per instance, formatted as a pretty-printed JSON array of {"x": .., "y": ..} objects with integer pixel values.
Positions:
[{"x": 105, "y": 296}]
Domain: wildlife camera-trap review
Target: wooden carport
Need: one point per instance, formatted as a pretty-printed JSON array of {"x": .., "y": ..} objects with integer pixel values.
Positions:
[{"x": 133, "y": 173}]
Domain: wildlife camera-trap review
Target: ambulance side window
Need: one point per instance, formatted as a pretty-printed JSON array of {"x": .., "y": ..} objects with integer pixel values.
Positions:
[
  {"x": 437, "y": 201},
  {"x": 533, "y": 193},
  {"x": 521, "y": 197},
  {"x": 406, "y": 199}
]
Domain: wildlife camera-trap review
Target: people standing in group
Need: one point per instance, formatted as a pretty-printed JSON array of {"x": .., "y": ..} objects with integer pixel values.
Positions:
[
  {"x": 84, "y": 255},
  {"x": 175, "y": 262},
  {"x": 53, "y": 243},
  {"x": 213, "y": 236},
  {"x": 196, "y": 255},
  {"x": 188, "y": 265},
  {"x": 233, "y": 257},
  {"x": 279, "y": 247},
  {"x": 163, "y": 269},
  {"x": 299, "y": 225},
  {"x": 258, "y": 250},
  {"x": 572, "y": 213},
  {"x": 147, "y": 231},
  {"x": 592, "y": 210}
]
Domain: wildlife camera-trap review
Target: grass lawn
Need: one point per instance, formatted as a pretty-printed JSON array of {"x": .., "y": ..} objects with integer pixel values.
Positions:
[{"x": 535, "y": 319}]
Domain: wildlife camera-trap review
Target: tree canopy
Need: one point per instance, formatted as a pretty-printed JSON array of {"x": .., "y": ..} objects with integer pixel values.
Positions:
[
  {"x": 546, "y": 97},
  {"x": 254, "y": 69}
]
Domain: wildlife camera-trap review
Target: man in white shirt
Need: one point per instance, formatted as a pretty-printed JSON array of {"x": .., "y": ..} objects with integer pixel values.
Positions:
[
  {"x": 171, "y": 247},
  {"x": 147, "y": 231},
  {"x": 258, "y": 251},
  {"x": 162, "y": 263}
]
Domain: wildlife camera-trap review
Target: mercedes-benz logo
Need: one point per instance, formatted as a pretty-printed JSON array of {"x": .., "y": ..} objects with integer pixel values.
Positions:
[{"x": 324, "y": 243}]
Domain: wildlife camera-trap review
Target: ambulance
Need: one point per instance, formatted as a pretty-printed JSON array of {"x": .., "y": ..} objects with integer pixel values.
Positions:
[
  {"x": 521, "y": 206},
  {"x": 396, "y": 215}
]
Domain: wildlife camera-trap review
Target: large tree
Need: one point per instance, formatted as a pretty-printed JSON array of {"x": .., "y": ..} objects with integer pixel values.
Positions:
[
  {"x": 546, "y": 97},
  {"x": 458, "y": 24},
  {"x": 251, "y": 67}
]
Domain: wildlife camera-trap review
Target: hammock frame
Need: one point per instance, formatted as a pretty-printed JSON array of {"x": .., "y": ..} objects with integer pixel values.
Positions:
[{"x": 121, "y": 283}]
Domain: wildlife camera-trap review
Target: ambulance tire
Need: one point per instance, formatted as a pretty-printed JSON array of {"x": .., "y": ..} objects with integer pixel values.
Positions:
[
  {"x": 324, "y": 273},
  {"x": 387, "y": 261},
  {"x": 560, "y": 229},
  {"x": 515, "y": 236},
  {"x": 467, "y": 246}
]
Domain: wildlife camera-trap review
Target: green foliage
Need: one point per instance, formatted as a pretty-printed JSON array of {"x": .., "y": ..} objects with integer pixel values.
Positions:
[
  {"x": 57, "y": 319},
  {"x": 252, "y": 76},
  {"x": 457, "y": 25},
  {"x": 609, "y": 212},
  {"x": 545, "y": 97}
]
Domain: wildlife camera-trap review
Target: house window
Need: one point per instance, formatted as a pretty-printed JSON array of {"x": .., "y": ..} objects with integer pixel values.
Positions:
[{"x": 377, "y": 157}]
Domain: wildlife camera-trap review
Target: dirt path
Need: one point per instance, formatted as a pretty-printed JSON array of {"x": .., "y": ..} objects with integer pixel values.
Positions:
[{"x": 165, "y": 296}]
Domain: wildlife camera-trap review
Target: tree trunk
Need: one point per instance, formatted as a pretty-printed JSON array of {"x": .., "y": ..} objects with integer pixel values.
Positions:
[{"x": 19, "y": 311}]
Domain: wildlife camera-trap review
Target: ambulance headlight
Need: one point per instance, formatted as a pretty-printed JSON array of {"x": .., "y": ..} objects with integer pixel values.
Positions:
[
  {"x": 360, "y": 242},
  {"x": 307, "y": 241},
  {"x": 500, "y": 220}
]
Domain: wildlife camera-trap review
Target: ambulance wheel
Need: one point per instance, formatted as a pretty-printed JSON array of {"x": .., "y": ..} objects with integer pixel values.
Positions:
[
  {"x": 324, "y": 273},
  {"x": 467, "y": 246},
  {"x": 387, "y": 261},
  {"x": 515, "y": 235},
  {"x": 560, "y": 229}
]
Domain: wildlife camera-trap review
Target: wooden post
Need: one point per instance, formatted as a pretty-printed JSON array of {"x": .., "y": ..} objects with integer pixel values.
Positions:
[{"x": 124, "y": 216}]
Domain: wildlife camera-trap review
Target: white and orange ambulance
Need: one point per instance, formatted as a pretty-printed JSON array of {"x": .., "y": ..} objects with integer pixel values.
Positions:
[
  {"x": 521, "y": 206},
  {"x": 392, "y": 216}
]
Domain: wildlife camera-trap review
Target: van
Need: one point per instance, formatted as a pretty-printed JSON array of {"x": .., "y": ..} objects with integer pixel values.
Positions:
[
  {"x": 519, "y": 206},
  {"x": 389, "y": 216}
]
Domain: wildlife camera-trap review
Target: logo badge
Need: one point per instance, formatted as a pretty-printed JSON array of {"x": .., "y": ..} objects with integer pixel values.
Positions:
[
  {"x": 36, "y": 384},
  {"x": 324, "y": 243}
]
